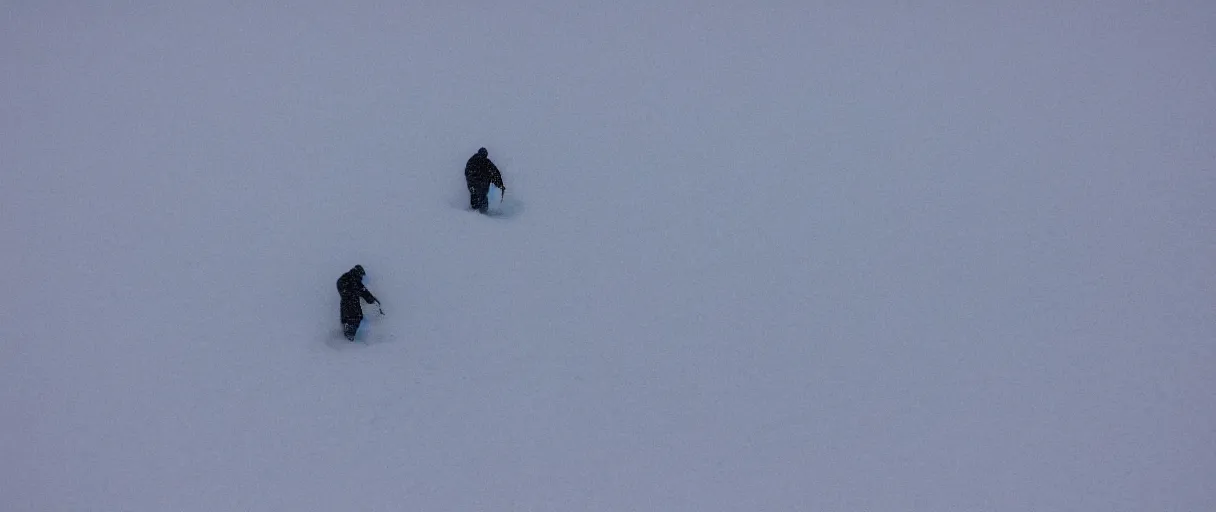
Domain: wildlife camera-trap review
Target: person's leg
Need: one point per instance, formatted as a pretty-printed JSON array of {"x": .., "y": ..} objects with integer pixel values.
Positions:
[
  {"x": 352, "y": 315},
  {"x": 477, "y": 198}
]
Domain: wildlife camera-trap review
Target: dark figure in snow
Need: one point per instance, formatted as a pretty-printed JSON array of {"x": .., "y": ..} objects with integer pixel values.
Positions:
[
  {"x": 350, "y": 287},
  {"x": 479, "y": 173}
]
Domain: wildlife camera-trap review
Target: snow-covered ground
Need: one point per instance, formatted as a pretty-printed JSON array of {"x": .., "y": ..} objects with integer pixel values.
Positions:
[{"x": 805, "y": 257}]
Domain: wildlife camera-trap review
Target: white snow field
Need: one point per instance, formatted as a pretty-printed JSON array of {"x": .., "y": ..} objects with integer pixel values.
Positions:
[{"x": 765, "y": 256}]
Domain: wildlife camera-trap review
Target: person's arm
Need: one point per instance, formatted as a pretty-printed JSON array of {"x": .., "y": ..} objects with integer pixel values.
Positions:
[
  {"x": 496, "y": 177},
  {"x": 367, "y": 296}
]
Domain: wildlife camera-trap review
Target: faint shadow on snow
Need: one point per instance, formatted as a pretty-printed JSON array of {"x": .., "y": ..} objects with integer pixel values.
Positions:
[
  {"x": 500, "y": 207},
  {"x": 371, "y": 332}
]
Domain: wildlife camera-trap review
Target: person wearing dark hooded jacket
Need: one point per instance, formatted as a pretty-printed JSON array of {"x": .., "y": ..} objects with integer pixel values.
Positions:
[
  {"x": 479, "y": 174},
  {"x": 351, "y": 289}
]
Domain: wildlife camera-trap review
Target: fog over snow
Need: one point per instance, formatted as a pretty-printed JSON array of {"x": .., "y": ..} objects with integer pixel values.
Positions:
[{"x": 761, "y": 256}]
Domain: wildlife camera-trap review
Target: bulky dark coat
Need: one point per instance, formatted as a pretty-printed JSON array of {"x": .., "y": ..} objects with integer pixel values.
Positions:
[
  {"x": 479, "y": 174},
  {"x": 351, "y": 289}
]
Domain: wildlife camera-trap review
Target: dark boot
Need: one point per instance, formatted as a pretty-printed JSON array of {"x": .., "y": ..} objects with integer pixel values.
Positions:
[{"x": 349, "y": 331}]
